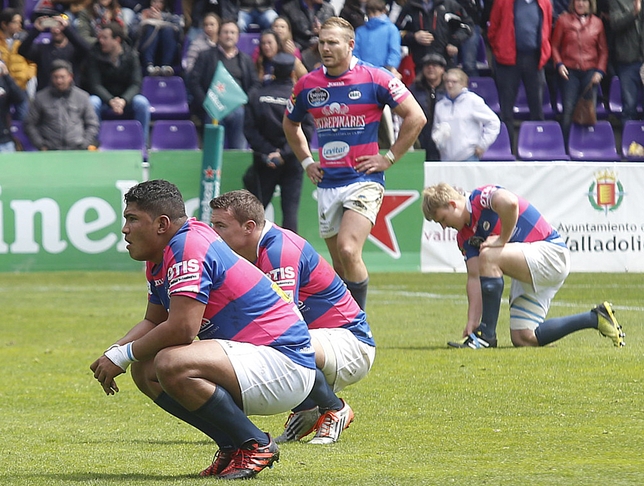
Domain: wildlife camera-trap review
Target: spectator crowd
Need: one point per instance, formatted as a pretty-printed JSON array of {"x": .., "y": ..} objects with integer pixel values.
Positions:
[{"x": 555, "y": 52}]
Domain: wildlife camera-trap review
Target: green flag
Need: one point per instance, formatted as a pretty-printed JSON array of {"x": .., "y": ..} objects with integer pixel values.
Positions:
[{"x": 224, "y": 94}]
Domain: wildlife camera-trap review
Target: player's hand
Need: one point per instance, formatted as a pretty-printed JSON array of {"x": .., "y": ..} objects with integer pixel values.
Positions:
[
  {"x": 314, "y": 172},
  {"x": 372, "y": 163},
  {"x": 469, "y": 329},
  {"x": 493, "y": 241},
  {"x": 105, "y": 371}
]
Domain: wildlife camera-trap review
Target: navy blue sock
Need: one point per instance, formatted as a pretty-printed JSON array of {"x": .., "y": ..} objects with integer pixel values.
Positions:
[
  {"x": 491, "y": 294},
  {"x": 170, "y": 405},
  {"x": 359, "y": 291},
  {"x": 321, "y": 395},
  {"x": 554, "y": 329},
  {"x": 307, "y": 404},
  {"x": 222, "y": 411}
]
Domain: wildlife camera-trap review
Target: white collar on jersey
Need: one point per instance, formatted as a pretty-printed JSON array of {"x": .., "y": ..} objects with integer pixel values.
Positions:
[
  {"x": 352, "y": 64},
  {"x": 267, "y": 226}
]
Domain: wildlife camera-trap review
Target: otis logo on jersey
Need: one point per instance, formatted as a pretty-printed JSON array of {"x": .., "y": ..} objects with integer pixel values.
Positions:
[{"x": 181, "y": 272}]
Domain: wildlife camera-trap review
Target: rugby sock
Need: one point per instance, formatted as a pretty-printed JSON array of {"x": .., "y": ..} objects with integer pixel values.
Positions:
[
  {"x": 221, "y": 411},
  {"x": 170, "y": 405},
  {"x": 322, "y": 395},
  {"x": 359, "y": 291},
  {"x": 554, "y": 329},
  {"x": 491, "y": 294}
]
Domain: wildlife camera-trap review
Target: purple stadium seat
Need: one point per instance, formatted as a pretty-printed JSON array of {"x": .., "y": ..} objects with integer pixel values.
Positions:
[
  {"x": 501, "y": 149},
  {"x": 248, "y": 42},
  {"x": 485, "y": 87},
  {"x": 167, "y": 96},
  {"x": 121, "y": 135},
  {"x": 615, "y": 97},
  {"x": 521, "y": 109},
  {"x": 541, "y": 140},
  {"x": 593, "y": 143},
  {"x": 174, "y": 135},
  {"x": 20, "y": 137},
  {"x": 633, "y": 131}
]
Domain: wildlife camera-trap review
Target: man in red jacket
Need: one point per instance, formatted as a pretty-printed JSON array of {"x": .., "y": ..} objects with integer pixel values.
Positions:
[{"x": 519, "y": 35}]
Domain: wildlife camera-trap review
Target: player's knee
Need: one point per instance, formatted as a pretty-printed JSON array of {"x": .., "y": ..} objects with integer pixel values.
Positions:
[
  {"x": 488, "y": 264},
  {"x": 523, "y": 338},
  {"x": 165, "y": 366},
  {"x": 348, "y": 252}
]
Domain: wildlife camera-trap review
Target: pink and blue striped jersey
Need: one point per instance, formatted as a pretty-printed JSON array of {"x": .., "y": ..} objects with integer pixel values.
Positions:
[
  {"x": 347, "y": 111},
  {"x": 324, "y": 300},
  {"x": 531, "y": 225},
  {"x": 241, "y": 303}
]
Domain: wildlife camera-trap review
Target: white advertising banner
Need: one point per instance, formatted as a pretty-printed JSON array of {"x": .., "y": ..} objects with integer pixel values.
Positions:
[{"x": 598, "y": 209}]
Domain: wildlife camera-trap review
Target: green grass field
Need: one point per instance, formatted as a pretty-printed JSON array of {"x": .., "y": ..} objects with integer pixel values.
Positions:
[{"x": 568, "y": 414}]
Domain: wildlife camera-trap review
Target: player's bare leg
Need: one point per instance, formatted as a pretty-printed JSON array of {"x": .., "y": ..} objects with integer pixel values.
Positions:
[{"x": 346, "y": 254}]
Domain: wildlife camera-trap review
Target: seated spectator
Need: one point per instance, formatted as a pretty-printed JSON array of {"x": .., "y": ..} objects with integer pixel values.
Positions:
[
  {"x": 206, "y": 39},
  {"x": 97, "y": 15},
  {"x": 65, "y": 44},
  {"x": 239, "y": 65},
  {"x": 158, "y": 37},
  {"x": 464, "y": 126},
  {"x": 194, "y": 13},
  {"x": 269, "y": 46},
  {"x": 428, "y": 89},
  {"x": 260, "y": 12},
  {"x": 21, "y": 70},
  {"x": 61, "y": 116},
  {"x": 355, "y": 12},
  {"x": 306, "y": 17},
  {"x": 114, "y": 78},
  {"x": 10, "y": 94},
  {"x": 282, "y": 27}
]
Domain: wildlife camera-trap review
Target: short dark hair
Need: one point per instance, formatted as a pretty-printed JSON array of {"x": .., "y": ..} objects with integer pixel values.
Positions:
[
  {"x": 7, "y": 15},
  {"x": 57, "y": 64},
  {"x": 375, "y": 6},
  {"x": 116, "y": 29},
  {"x": 242, "y": 205},
  {"x": 157, "y": 197}
]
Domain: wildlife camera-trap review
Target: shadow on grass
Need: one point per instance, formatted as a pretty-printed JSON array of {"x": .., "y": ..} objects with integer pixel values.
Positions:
[{"x": 49, "y": 478}]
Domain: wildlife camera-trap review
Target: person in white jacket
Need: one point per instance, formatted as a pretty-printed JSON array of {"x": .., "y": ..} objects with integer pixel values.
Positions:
[{"x": 464, "y": 126}]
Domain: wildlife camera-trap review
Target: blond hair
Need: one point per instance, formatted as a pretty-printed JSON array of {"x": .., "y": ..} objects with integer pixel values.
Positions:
[
  {"x": 436, "y": 197},
  {"x": 339, "y": 23}
]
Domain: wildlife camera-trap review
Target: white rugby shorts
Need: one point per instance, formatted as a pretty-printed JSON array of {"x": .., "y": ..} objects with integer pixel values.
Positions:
[
  {"x": 362, "y": 197},
  {"x": 348, "y": 360},
  {"x": 549, "y": 266},
  {"x": 270, "y": 382}
]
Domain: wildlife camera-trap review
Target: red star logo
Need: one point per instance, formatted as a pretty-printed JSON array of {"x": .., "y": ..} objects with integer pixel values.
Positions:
[
  {"x": 382, "y": 233},
  {"x": 209, "y": 173},
  {"x": 221, "y": 87}
]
